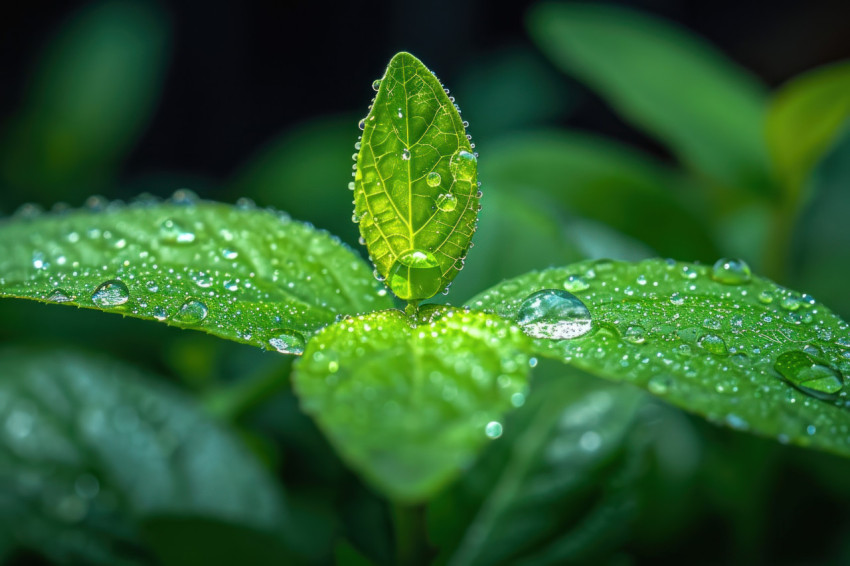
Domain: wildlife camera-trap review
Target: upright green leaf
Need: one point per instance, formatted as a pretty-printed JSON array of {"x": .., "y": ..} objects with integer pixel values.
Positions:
[
  {"x": 803, "y": 120},
  {"x": 91, "y": 448},
  {"x": 409, "y": 402},
  {"x": 666, "y": 81},
  {"x": 92, "y": 95},
  {"x": 718, "y": 341},
  {"x": 416, "y": 193},
  {"x": 250, "y": 275}
]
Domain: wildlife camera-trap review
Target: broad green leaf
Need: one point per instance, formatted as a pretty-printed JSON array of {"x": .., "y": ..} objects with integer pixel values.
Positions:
[
  {"x": 804, "y": 118},
  {"x": 409, "y": 402},
  {"x": 415, "y": 188},
  {"x": 718, "y": 341},
  {"x": 559, "y": 488},
  {"x": 250, "y": 275},
  {"x": 92, "y": 95},
  {"x": 93, "y": 447},
  {"x": 606, "y": 182},
  {"x": 667, "y": 82}
]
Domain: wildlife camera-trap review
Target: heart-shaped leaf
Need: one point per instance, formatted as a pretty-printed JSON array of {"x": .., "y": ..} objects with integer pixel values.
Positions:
[
  {"x": 409, "y": 402},
  {"x": 242, "y": 273},
  {"x": 716, "y": 341},
  {"x": 415, "y": 188}
]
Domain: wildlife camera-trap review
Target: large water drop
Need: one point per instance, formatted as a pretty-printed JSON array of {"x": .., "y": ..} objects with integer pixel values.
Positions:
[
  {"x": 287, "y": 341},
  {"x": 415, "y": 275},
  {"x": 192, "y": 311},
  {"x": 808, "y": 375},
  {"x": 111, "y": 294},
  {"x": 553, "y": 314},
  {"x": 731, "y": 271},
  {"x": 463, "y": 165}
]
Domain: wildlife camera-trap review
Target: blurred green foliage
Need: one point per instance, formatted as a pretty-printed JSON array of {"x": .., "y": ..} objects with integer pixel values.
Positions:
[{"x": 759, "y": 175}]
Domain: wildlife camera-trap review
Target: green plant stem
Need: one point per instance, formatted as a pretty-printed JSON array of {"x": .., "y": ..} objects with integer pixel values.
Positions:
[
  {"x": 411, "y": 535},
  {"x": 232, "y": 401}
]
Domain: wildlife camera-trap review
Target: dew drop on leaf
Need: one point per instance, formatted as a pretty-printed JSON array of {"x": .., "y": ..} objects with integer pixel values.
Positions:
[
  {"x": 493, "y": 429},
  {"x": 59, "y": 296},
  {"x": 433, "y": 179},
  {"x": 447, "y": 202},
  {"x": 405, "y": 154},
  {"x": 173, "y": 233},
  {"x": 713, "y": 344},
  {"x": 111, "y": 294},
  {"x": 635, "y": 334},
  {"x": 553, "y": 314},
  {"x": 287, "y": 341},
  {"x": 192, "y": 311},
  {"x": 463, "y": 165},
  {"x": 731, "y": 271},
  {"x": 376, "y": 85},
  {"x": 415, "y": 275},
  {"x": 808, "y": 375},
  {"x": 575, "y": 283}
]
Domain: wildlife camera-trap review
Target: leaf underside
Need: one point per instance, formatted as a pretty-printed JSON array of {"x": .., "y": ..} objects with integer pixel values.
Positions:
[
  {"x": 241, "y": 273},
  {"x": 416, "y": 179},
  {"x": 709, "y": 347},
  {"x": 410, "y": 403}
]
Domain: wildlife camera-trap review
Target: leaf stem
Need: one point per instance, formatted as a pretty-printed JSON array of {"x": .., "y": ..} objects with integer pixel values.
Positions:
[{"x": 411, "y": 535}]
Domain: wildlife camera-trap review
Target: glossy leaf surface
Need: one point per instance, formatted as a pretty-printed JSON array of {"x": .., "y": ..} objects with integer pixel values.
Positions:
[
  {"x": 715, "y": 341},
  {"x": 415, "y": 187},
  {"x": 91, "y": 447},
  {"x": 666, "y": 81},
  {"x": 242, "y": 273},
  {"x": 409, "y": 405}
]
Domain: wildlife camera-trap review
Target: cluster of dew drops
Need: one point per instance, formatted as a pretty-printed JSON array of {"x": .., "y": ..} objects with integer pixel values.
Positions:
[
  {"x": 558, "y": 314},
  {"x": 115, "y": 293},
  {"x": 462, "y": 165}
]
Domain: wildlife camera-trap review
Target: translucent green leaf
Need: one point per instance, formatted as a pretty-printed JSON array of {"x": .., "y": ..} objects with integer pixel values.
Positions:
[
  {"x": 415, "y": 188},
  {"x": 409, "y": 404},
  {"x": 560, "y": 487},
  {"x": 241, "y": 273},
  {"x": 606, "y": 182},
  {"x": 803, "y": 120},
  {"x": 665, "y": 80},
  {"x": 90, "y": 99},
  {"x": 718, "y": 341},
  {"x": 92, "y": 446}
]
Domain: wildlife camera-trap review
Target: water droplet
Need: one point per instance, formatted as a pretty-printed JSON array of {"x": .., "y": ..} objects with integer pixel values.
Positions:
[
  {"x": 677, "y": 299},
  {"x": 463, "y": 165},
  {"x": 731, "y": 271},
  {"x": 415, "y": 275},
  {"x": 791, "y": 302},
  {"x": 192, "y": 311},
  {"x": 405, "y": 154},
  {"x": 635, "y": 334},
  {"x": 59, "y": 296},
  {"x": 362, "y": 124},
  {"x": 111, "y": 294},
  {"x": 808, "y": 375},
  {"x": 447, "y": 202},
  {"x": 287, "y": 341},
  {"x": 575, "y": 283},
  {"x": 553, "y": 314},
  {"x": 173, "y": 233},
  {"x": 376, "y": 85},
  {"x": 766, "y": 297},
  {"x": 351, "y": 186},
  {"x": 713, "y": 343},
  {"x": 433, "y": 179},
  {"x": 493, "y": 429}
]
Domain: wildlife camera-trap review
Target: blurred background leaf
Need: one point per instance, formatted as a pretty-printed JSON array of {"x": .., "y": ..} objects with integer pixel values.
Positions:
[{"x": 90, "y": 98}]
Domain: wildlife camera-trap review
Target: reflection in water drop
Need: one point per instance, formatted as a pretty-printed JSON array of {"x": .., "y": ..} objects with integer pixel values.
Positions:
[
  {"x": 553, "y": 314},
  {"x": 463, "y": 165},
  {"x": 808, "y": 375},
  {"x": 416, "y": 275},
  {"x": 192, "y": 312},
  {"x": 447, "y": 202},
  {"x": 111, "y": 294},
  {"x": 287, "y": 341},
  {"x": 433, "y": 179},
  {"x": 731, "y": 271}
]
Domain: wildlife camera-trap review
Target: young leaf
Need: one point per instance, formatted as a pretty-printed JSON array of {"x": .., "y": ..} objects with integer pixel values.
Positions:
[
  {"x": 409, "y": 403},
  {"x": 415, "y": 188},
  {"x": 718, "y": 341},
  {"x": 666, "y": 81},
  {"x": 804, "y": 117},
  {"x": 93, "y": 445},
  {"x": 241, "y": 273}
]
